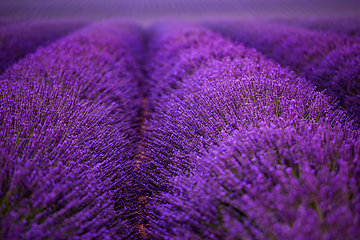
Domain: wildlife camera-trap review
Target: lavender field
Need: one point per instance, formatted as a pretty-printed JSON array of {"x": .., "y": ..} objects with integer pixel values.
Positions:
[{"x": 236, "y": 129}]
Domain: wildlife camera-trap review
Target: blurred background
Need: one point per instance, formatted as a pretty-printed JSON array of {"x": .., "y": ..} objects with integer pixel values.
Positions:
[{"x": 148, "y": 11}]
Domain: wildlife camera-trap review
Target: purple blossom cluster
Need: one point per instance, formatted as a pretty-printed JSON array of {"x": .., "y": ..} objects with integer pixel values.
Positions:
[
  {"x": 175, "y": 132},
  {"x": 269, "y": 182},
  {"x": 19, "y": 39},
  {"x": 68, "y": 117},
  {"x": 309, "y": 53},
  {"x": 54, "y": 160}
]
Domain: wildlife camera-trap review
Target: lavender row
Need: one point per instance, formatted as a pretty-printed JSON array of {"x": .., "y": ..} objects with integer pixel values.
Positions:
[
  {"x": 349, "y": 25},
  {"x": 19, "y": 39},
  {"x": 99, "y": 69},
  {"x": 68, "y": 127},
  {"x": 190, "y": 70},
  {"x": 209, "y": 89},
  {"x": 312, "y": 54}
]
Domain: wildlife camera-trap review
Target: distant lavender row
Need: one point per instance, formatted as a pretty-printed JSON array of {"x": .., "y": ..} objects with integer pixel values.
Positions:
[
  {"x": 204, "y": 88},
  {"x": 19, "y": 39},
  {"x": 327, "y": 60},
  {"x": 349, "y": 26},
  {"x": 6, "y": 22},
  {"x": 68, "y": 133}
]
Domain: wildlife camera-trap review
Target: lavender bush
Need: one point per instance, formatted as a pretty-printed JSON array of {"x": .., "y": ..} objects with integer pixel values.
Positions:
[
  {"x": 19, "y": 39},
  {"x": 216, "y": 91},
  {"x": 303, "y": 51},
  {"x": 207, "y": 89},
  {"x": 56, "y": 157},
  {"x": 71, "y": 109}
]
